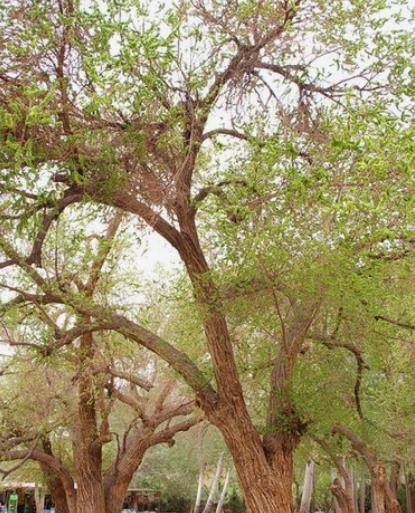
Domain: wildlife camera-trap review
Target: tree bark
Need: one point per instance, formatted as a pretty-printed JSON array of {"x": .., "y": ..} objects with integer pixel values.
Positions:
[
  {"x": 118, "y": 477},
  {"x": 378, "y": 478},
  {"x": 87, "y": 448},
  {"x": 307, "y": 487},
  {"x": 343, "y": 499}
]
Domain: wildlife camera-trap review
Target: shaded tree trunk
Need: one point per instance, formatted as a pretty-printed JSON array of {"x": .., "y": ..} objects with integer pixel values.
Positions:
[
  {"x": 63, "y": 503},
  {"x": 362, "y": 491},
  {"x": 409, "y": 493}
]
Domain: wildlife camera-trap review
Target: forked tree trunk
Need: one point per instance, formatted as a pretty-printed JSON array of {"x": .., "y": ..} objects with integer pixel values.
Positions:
[
  {"x": 343, "y": 493},
  {"x": 342, "y": 498},
  {"x": 307, "y": 487},
  {"x": 265, "y": 470}
]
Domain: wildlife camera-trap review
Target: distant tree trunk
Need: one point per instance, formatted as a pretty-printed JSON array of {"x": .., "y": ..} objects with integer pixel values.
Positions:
[
  {"x": 307, "y": 487},
  {"x": 362, "y": 491},
  {"x": 64, "y": 500},
  {"x": 214, "y": 486},
  {"x": 223, "y": 493},
  {"x": 341, "y": 496},
  {"x": 409, "y": 493},
  {"x": 199, "y": 489},
  {"x": 391, "y": 500},
  {"x": 354, "y": 488},
  {"x": 39, "y": 498},
  {"x": 394, "y": 477},
  {"x": 381, "y": 493}
]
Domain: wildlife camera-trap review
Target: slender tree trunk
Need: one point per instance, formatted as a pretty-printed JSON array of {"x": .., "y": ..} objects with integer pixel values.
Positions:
[
  {"x": 362, "y": 491},
  {"x": 199, "y": 489},
  {"x": 394, "y": 477},
  {"x": 391, "y": 500},
  {"x": 307, "y": 487},
  {"x": 354, "y": 488},
  {"x": 409, "y": 493},
  {"x": 214, "y": 486},
  {"x": 223, "y": 493}
]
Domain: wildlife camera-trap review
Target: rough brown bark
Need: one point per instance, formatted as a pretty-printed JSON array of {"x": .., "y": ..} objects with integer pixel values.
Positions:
[
  {"x": 119, "y": 475},
  {"x": 344, "y": 503},
  {"x": 87, "y": 448},
  {"x": 378, "y": 477}
]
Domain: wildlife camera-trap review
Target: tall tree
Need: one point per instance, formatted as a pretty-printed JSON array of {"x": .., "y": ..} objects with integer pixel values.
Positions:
[{"x": 105, "y": 105}]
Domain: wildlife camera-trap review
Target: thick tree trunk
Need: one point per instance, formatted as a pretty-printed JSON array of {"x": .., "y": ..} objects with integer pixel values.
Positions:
[
  {"x": 378, "y": 489},
  {"x": 90, "y": 491},
  {"x": 59, "y": 496},
  {"x": 267, "y": 486},
  {"x": 87, "y": 446},
  {"x": 307, "y": 487},
  {"x": 343, "y": 500},
  {"x": 265, "y": 469},
  {"x": 118, "y": 477},
  {"x": 343, "y": 493}
]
